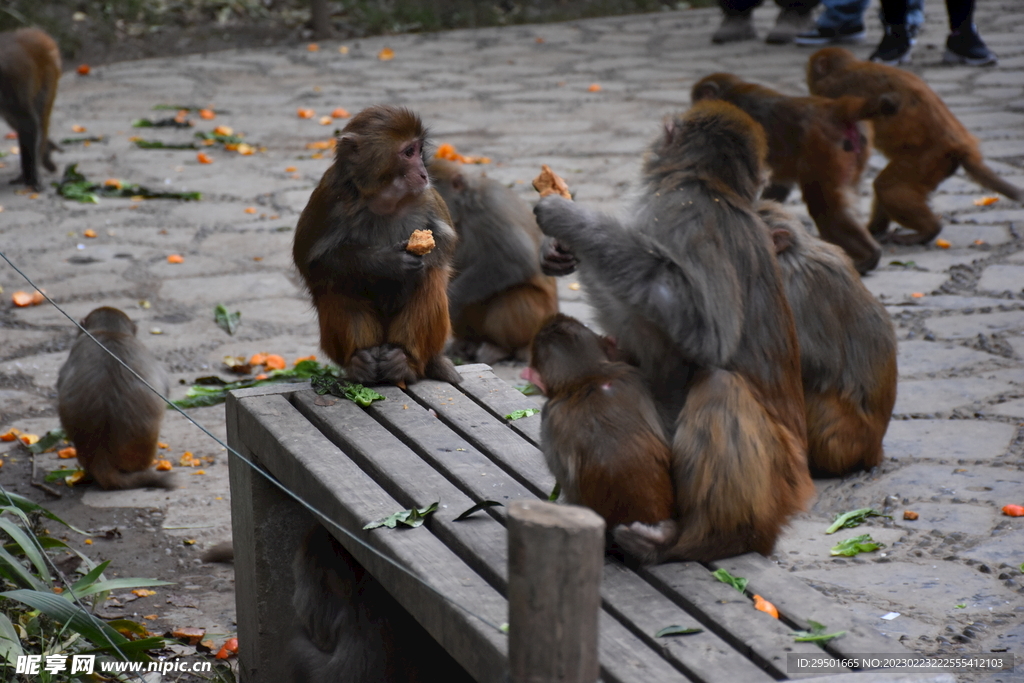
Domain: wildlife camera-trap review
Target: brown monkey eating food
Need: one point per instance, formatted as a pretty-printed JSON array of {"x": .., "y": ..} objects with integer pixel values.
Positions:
[
  {"x": 29, "y": 71},
  {"x": 924, "y": 143},
  {"x": 113, "y": 418},
  {"x": 498, "y": 297},
  {"x": 383, "y": 310}
]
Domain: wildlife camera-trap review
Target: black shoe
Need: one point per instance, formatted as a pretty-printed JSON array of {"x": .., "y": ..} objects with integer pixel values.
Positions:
[
  {"x": 832, "y": 36},
  {"x": 894, "y": 48},
  {"x": 966, "y": 47}
]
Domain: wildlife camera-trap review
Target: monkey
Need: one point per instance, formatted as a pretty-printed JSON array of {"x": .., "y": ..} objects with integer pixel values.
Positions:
[
  {"x": 498, "y": 298},
  {"x": 817, "y": 143},
  {"x": 29, "y": 71},
  {"x": 924, "y": 144},
  {"x": 847, "y": 348},
  {"x": 601, "y": 434},
  {"x": 383, "y": 311},
  {"x": 113, "y": 418},
  {"x": 350, "y": 630},
  {"x": 693, "y": 295},
  {"x": 219, "y": 552}
]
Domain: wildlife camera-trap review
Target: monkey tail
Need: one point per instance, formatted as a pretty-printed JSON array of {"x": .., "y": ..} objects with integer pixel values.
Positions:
[
  {"x": 222, "y": 552},
  {"x": 107, "y": 475},
  {"x": 987, "y": 178}
]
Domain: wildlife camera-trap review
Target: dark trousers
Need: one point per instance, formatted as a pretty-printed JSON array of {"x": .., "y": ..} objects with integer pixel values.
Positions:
[
  {"x": 734, "y": 7},
  {"x": 961, "y": 12}
]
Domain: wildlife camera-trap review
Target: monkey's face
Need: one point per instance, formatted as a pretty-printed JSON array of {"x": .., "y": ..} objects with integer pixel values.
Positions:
[{"x": 408, "y": 179}]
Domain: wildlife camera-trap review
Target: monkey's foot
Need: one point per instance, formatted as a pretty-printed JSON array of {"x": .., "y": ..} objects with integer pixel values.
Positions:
[
  {"x": 20, "y": 180},
  {"x": 555, "y": 260},
  {"x": 385, "y": 364},
  {"x": 645, "y": 542},
  {"x": 491, "y": 353},
  {"x": 909, "y": 238},
  {"x": 440, "y": 367}
]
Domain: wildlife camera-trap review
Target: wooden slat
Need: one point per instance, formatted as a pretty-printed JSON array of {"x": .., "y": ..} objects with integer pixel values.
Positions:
[
  {"x": 800, "y": 604},
  {"x": 728, "y": 613},
  {"x": 703, "y": 656},
  {"x": 500, "y": 399},
  {"x": 519, "y": 458},
  {"x": 624, "y": 657},
  {"x": 305, "y": 460}
]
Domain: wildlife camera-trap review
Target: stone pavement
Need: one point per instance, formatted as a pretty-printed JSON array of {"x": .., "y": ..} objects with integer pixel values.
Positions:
[{"x": 519, "y": 95}]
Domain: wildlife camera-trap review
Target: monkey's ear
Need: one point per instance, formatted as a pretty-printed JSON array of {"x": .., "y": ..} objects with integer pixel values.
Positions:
[
  {"x": 347, "y": 143},
  {"x": 670, "y": 128},
  {"x": 819, "y": 65},
  {"x": 706, "y": 91},
  {"x": 782, "y": 239},
  {"x": 458, "y": 182}
]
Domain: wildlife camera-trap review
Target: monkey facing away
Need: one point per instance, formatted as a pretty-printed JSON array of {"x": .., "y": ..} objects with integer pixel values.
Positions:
[
  {"x": 29, "y": 71},
  {"x": 924, "y": 143},
  {"x": 847, "y": 349},
  {"x": 818, "y": 144},
  {"x": 112, "y": 418},
  {"x": 383, "y": 311},
  {"x": 692, "y": 293},
  {"x": 600, "y": 434},
  {"x": 350, "y": 629},
  {"x": 498, "y": 298}
]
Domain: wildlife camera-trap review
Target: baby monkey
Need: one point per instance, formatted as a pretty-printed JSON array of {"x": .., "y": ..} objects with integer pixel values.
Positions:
[
  {"x": 113, "y": 418},
  {"x": 600, "y": 431}
]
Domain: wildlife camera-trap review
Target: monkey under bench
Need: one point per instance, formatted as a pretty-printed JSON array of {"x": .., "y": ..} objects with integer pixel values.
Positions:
[{"x": 438, "y": 442}]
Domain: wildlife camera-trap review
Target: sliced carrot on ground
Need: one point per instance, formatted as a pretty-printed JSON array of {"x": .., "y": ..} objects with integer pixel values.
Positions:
[
  {"x": 230, "y": 647},
  {"x": 1013, "y": 510},
  {"x": 204, "y": 158},
  {"x": 224, "y": 130},
  {"x": 175, "y": 258},
  {"x": 985, "y": 201},
  {"x": 67, "y": 453},
  {"x": 77, "y": 128},
  {"x": 765, "y": 606},
  {"x": 910, "y": 514},
  {"x": 164, "y": 466},
  {"x": 304, "y": 113},
  {"x": 250, "y": 209},
  {"x": 942, "y": 244},
  {"x": 313, "y": 47},
  {"x": 299, "y": 360},
  {"x": 594, "y": 87},
  {"x": 258, "y": 359},
  {"x": 207, "y": 114},
  {"x": 386, "y": 54},
  {"x": 340, "y": 113},
  {"x": 83, "y": 69},
  {"x": 274, "y": 362},
  {"x": 10, "y": 435}
]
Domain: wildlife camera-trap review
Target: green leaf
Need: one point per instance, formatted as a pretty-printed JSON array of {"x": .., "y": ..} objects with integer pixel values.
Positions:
[
  {"x": 226, "y": 320},
  {"x": 49, "y": 441},
  {"x": 519, "y": 414},
  {"x": 187, "y": 107},
  {"x": 27, "y": 506},
  {"x": 676, "y": 630},
  {"x": 28, "y": 545},
  {"x": 815, "y": 635},
  {"x": 157, "y": 144},
  {"x": 853, "y": 518},
  {"x": 962, "y": 605},
  {"x": 737, "y": 582},
  {"x": 482, "y": 505},
  {"x": 122, "y": 625},
  {"x": 58, "y": 475},
  {"x": 70, "y": 614},
  {"x": 47, "y": 543},
  {"x": 120, "y": 584},
  {"x": 555, "y": 492},
  {"x": 15, "y": 571},
  {"x": 504, "y": 628},
  {"x": 856, "y": 545},
  {"x": 529, "y": 389},
  {"x": 361, "y": 395},
  {"x": 905, "y": 264},
  {"x": 413, "y": 517},
  {"x": 10, "y": 644},
  {"x": 90, "y": 577}
]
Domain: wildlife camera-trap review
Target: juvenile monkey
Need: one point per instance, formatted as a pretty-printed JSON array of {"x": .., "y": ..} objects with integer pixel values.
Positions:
[
  {"x": 847, "y": 349},
  {"x": 925, "y": 143},
  {"x": 350, "y": 629},
  {"x": 29, "y": 70},
  {"x": 693, "y": 295},
  {"x": 818, "y": 144},
  {"x": 600, "y": 431},
  {"x": 113, "y": 418},
  {"x": 498, "y": 298},
  {"x": 383, "y": 310}
]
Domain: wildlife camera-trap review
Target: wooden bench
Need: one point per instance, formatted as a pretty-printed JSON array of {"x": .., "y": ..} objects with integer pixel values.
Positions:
[{"x": 438, "y": 442}]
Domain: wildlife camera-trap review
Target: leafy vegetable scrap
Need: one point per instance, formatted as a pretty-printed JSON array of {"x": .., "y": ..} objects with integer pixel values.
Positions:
[
  {"x": 853, "y": 518},
  {"x": 211, "y": 390},
  {"x": 413, "y": 517},
  {"x": 677, "y": 630},
  {"x": 76, "y": 186},
  {"x": 520, "y": 414},
  {"x": 816, "y": 634},
  {"x": 737, "y": 582},
  {"x": 357, "y": 393},
  {"x": 226, "y": 320},
  {"x": 855, "y": 546}
]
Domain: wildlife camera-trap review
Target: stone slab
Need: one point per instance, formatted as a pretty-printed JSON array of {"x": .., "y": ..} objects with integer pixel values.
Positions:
[{"x": 948, "y": 440}]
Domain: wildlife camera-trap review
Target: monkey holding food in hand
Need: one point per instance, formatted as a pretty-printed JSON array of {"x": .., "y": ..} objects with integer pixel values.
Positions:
[
  {"x": 498, "y": 297},
  {"x": 112, "y": 418},
  {"x": 382, "y": 309},
  {"x": 29, "y": 71}
]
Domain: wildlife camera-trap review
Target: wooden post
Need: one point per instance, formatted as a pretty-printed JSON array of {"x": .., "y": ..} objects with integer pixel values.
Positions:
[
  {"x": 320, "y": 14},
  {"x": 555, "y": 561}
]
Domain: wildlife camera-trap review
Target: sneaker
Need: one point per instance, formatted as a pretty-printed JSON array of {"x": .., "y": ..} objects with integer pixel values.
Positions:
[
  {"x": 789, "y": 25},
  {"x": 966, "y": 47},
  {"x": 831, "y": 36},
  {"x": 735, "y": 27},
  {"x": 894, "y": 48}
]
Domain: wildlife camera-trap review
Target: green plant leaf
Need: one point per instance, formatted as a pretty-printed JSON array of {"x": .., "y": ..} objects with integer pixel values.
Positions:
[
  {"x": 29, "y": 547},
  {"x": 555, "y": 492},
  {"x": 413, "y": 517},
  {"x": 119, "y": 584},
  {"x": 27, "y": 506},
  {"x": 49, "y": 441},
  {"x": 14, "y": 571},
  {"x": 737, "y": 582},
  {"x": 482, "y": 505},
  {"x": 815, "y": 635},
  {"x": 676, "y": 630},
  {"x": 529, "y": 389},
  {"x": 856, "y": 545},
  {"x": 853, "y": 518},
  {"x": 520, "y": 414},
  {"x": 226, "y": 320},
  {"x": 157, "y": 144},
  {"x": 91, "y": 576},
  {"x": 58, "y": 475},
  {"x": 10, "y": 644}
]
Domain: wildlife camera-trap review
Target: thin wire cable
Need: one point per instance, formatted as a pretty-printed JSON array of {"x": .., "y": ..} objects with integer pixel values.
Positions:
[{"x": 397, "y": 565}]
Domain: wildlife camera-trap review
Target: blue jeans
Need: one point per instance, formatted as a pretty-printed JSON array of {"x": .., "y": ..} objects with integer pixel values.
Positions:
[{"x": 850, "y": 13}]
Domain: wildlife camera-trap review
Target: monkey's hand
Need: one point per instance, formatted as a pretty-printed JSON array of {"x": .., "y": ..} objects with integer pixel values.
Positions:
[
  {"x": 405, "y": 263},
  {"x": 562, "y": 219},
  {"x": 646, "y": 542},
  {"x": 555, "y": 259}
]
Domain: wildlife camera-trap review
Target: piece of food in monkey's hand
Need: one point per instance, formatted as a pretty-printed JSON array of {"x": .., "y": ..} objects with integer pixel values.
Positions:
[
  {"x": 549, "y": 183},
  {"x": 420, "y": 242}
]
